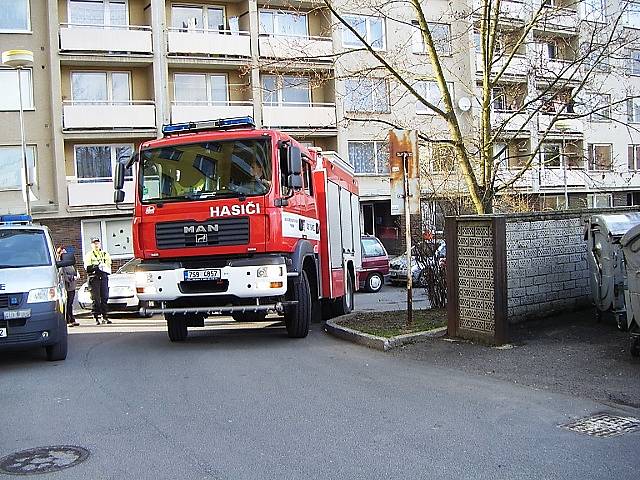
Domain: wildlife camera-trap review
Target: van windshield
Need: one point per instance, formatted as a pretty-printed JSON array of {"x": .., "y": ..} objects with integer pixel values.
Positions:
[{"x": 23, "y": 248}]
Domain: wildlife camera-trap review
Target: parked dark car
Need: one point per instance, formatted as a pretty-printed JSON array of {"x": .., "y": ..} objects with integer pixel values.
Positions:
[{"x": 375, "y": 264}]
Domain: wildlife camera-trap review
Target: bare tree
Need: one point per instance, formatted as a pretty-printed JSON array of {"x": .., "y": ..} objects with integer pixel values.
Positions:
[{"x": 540, "y": 68}]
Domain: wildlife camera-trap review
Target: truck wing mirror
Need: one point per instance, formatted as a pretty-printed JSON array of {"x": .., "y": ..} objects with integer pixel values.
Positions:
[
  {"x": 118, "y": 179},
  {"x": 295, "y": 160},
  {"x": 118, "y": 196},
  {"x": 295, "y": 181}
]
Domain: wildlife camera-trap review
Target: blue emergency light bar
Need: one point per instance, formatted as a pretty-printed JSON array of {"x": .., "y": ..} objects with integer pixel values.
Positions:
[
  {"x": 220, "y": 124},
  {"x": 15, "y": 219}
]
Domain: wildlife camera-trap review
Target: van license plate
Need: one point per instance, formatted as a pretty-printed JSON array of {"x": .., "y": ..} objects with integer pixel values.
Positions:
[
  {"x": 206, "y": 274},
  {"x": 13, "y": 314},
  {"x": 3, "y": 332}
]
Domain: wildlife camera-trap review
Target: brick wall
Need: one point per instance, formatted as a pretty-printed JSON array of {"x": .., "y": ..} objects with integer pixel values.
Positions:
[{"x": 547, "y": 270}]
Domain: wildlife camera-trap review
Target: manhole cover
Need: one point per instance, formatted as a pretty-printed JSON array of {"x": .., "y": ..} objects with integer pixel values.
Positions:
[
  {"x": 43, "y": 460},
  {"x": 604, "y": 425}
]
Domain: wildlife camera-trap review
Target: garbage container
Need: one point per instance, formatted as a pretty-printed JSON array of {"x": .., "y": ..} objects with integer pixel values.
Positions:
[
  {"x": 630, "y": 243},
  {"x": 606, "y": 262}
]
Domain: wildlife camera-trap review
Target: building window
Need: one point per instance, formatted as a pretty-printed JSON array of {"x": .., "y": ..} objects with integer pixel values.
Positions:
[
  {"x": 440, "y": 34},
  {"x": 594, "y": 10},
  {"x": 98, "y": 12},
  {"x": 599, "y": 106},
  {"x": 546, "y": 51},
  {"x": 430, "y": 91},
  {"x": 115, "y": 235},
  {"x": 200, "y": 89},
  {"x": 443, "y": 158},
  {"x": 599, "y": 200},
  {"x": 9, "y": 91},
  {"x": 519, "y": 155},
  {"x": 14, "y": 16},
  {"x": 284, "y": 90},
  {"x": 372, "y": 29},
  {"x": 600, "y": 156},
  {"x": 11, "y": 166},
  {"x": 633, "y": 199},
  {"x": 366, "y": 95},
  {"x": 634, "y": 62},
  {"x": 633, "y": 110},
  {"x": 633, "y": 14},
  {"x": 556, "y": 155},
  {"x": 111, "y": 88},
  {"x": 96, "y": 163},
  {"x": 633, "y": 157},
  {"x": 553, "y": 202},
  {"x": 369, "y": 157},
  {"x": 277, "y": 22},
  {"x": 198, "y": 18}
]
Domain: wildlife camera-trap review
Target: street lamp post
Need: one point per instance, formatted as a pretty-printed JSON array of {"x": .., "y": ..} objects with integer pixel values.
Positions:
[{"x": 18, "y": 60}]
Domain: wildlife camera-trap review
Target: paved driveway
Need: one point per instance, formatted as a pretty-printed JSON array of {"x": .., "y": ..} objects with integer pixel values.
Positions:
[{"x": 253, "y": 404}]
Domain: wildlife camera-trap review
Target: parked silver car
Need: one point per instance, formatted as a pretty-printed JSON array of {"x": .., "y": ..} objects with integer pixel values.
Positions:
[{"x": 122, "y": 290}]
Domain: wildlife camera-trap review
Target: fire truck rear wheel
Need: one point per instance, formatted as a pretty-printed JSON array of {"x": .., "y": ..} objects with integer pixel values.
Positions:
[
  {"x": 176, "y": 327},
  {"x": 344, "y": 304},
  {"x": 298, "y": 317}
]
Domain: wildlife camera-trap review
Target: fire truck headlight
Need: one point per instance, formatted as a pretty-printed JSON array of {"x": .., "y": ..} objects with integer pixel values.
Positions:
[{"x": 270, "y": 271}]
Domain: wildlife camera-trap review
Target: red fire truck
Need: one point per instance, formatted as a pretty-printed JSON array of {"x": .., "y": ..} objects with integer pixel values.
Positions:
[{"x": 237, "y": 220}]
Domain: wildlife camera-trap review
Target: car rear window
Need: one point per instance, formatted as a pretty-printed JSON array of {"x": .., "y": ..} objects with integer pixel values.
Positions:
[
  {"x": 372, "y": 248},
  {"x": 23, "y": 248}
]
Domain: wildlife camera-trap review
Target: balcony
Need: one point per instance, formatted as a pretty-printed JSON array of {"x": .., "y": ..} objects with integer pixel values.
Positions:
[
  {"x": 189, "y": 112},
  {"x": 315, "y": 115},
  {"x": 564, "y": 124},
  {"x": 511, "y": 122},
  {"x": 509, "y": 10},
  {"x": 205, "y": 42},
  {"x": 108, "y": 116},
  {"x": 555, "y": 177},
  {"x": 102, "y": 39},
  {"x": 518, "y": 66},
  {"x": 558, "y": 19},
  {"x": 291, "y": 46},
  {"x": 84, "y": 194},
  {"x": 552, "y": 69}
]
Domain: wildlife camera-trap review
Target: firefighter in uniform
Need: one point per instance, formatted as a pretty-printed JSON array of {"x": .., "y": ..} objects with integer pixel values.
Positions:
[{"x": 97, "y": 263}]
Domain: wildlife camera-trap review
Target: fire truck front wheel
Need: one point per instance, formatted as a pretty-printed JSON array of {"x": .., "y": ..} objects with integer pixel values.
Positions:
[
  {"x": 297, "y": 317},
  {"x": 176, "y": 327}
]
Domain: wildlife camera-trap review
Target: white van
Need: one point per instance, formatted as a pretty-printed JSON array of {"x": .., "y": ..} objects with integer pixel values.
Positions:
[{"x": 32, "y": 293}]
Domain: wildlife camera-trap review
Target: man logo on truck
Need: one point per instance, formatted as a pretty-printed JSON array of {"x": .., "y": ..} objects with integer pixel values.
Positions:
[
  {"x": 201, "y": 229},
  {"x": 3, "y": 286}
]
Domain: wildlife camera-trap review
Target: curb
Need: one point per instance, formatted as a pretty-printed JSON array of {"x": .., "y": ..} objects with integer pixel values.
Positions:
[{"x": 380, "y": 343}]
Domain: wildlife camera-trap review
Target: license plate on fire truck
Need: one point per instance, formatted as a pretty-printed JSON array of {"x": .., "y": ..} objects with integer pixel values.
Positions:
[{"x": 204, "y": 274}]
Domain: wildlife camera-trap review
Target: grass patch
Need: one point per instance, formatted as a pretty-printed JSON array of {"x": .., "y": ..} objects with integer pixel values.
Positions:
[{"x": 390, "y": 324}]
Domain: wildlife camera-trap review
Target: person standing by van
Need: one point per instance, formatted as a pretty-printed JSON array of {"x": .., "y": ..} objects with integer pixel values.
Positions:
[
  {"x": 97, "y": 263},
  {"x": 70, "y": 276}
]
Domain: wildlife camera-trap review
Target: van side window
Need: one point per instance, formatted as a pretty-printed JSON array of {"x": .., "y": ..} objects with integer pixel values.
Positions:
[{"x": 308, "y": 180}]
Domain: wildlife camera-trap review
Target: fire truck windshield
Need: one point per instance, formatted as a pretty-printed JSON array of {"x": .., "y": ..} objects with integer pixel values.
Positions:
[{"x": 195, "y": 171}]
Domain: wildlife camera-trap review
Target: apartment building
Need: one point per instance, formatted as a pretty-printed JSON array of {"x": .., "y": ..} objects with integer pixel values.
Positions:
[{"x": 109, "y": 73}]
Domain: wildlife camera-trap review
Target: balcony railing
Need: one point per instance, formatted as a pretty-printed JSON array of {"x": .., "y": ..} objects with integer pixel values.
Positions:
[
  {"x": 75, "y": 37},
  {"x": 295, "y": 46},
  {"x": 518, "y": 66},
  {"x": 108, "y": 115},
  {"x": 559, "y": 19},
  {"x": 207, "y": 42},
  {"x": 300, "y": 115},
  {"x": 509, "y": 10},
  {"x": 557, "y": 68},
  {"x": 565, "y": 123},
  {"x": 193, "y": 111},
  {"x": 510, "y": 121},
  {"x": 97, "y": 192}
]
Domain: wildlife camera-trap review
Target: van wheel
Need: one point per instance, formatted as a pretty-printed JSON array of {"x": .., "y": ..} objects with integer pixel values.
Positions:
[
  {"x": 297, "y": 317},
  {"x": 176, "y": 327},
  {"x": 59, "y": 350},
  {"x": 374, "y": 283}
]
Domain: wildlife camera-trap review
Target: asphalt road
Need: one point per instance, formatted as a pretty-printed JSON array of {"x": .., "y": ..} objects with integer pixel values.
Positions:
[{"x": 253, "y": 404}]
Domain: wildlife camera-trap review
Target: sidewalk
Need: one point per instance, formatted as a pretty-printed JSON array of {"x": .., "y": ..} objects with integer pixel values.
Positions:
[{"x": 571, "y": 354}]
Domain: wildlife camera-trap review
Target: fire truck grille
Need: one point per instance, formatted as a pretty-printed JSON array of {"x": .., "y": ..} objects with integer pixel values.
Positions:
[{"x": 225, "y": 231}]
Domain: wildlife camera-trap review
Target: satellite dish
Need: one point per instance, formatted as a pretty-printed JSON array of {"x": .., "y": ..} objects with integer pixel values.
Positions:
[{"x": 464, "y": 104}]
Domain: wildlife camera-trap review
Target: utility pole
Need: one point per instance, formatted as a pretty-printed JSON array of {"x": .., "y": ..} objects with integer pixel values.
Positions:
[{"x": 407, "y": 218}]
